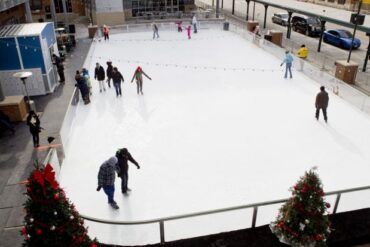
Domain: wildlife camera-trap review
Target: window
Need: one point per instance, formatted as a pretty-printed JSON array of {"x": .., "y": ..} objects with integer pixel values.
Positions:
[
  {"x": 59, "y": 6},
  {"x": 341, "y": 1},
  {"x": 36, "y": 4}
]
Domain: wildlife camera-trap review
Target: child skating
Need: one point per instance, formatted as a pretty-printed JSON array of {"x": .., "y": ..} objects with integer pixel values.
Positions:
[{"x": 188, "y": 29}]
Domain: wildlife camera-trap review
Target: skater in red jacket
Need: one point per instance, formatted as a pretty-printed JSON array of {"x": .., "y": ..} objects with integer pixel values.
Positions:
[{"x": 188, "y": 29}]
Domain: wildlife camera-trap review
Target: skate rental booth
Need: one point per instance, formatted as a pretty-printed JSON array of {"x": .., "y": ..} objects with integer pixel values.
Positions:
[{"x": 28, "y": 47}]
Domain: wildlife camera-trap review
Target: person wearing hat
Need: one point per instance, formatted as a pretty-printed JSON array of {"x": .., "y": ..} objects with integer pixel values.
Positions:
[
  {"x": 100, "y": 76},
  {"x": 106, "y": 179},
  {"x": 117, "y": 80},
  {"x": 109, "y": 72},
  {"x": 322, "y": 102},
  {"x": 302, "y": 53},
  {"x": 123, "y": 157},
  {"x": 33, "y": 122},
  {"x": 138, "y": 75}
]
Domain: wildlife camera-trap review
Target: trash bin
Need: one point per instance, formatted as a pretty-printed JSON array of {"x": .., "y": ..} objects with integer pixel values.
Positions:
[
  {"x": 268, "y": 37},
  {"x": 226, "y": 26}
]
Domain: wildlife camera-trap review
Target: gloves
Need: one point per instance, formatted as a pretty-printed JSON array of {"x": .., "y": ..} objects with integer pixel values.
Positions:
[
  {"x": 99, "y": 188},
  {"x": 138, "y": 167}
]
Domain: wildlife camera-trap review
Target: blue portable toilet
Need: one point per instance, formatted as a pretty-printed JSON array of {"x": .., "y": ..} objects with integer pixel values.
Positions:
[{"x": 28, "y": 47}]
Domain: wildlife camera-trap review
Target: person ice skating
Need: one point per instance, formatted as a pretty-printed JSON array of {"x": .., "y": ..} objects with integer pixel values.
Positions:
[
  {"x": 188, "y": 29},
  {"x": 117, "y": 80},
  {"x": 155, "y": 31},
  {"x": 179, "y": 27},
  {"x": 109, "y": 72},
  {"x": 106, "y": 32},
  {"x": 322, "y": 102},
  {"x": 33, "y": 122},
  {"x": 81, "y": 84},
  {"x": 138, "y": 75},
  {"x": 302, "y": 53},
  {"x": 256, "y": 30},
  {"x": 195, "y": 23},
  {"x": 106, "y": 178},
  {"x": 288, "y": 60},
  {"x": 57, "y": 61},
  {"x": 123, "y": 157},
  {"x": 100, "y": 76},
  {"x": 85, "y": 74},
  {"x": 5, "y": 122}
]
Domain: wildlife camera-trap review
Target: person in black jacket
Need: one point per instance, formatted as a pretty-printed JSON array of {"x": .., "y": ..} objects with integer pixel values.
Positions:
[
  {"x": 117, "y": 79},
  {"x": 109, "y": 72},
  {"x": 33, "y": 122},
  {"x": 81, "y": 84},
  {"x": 100, "y": 76},
  {"x": 322, "y": 101},
  {"x": 57, "y": 61},
  {"x": 123, "y": 157}
]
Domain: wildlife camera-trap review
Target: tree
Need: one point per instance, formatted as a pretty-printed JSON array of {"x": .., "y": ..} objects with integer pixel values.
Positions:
[
  {"x": 303, "y": 219},
  {"x": 51, "y": 219}
]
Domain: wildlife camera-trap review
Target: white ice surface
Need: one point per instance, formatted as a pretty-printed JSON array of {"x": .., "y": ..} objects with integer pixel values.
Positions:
[{"x": 207, "y": 138}]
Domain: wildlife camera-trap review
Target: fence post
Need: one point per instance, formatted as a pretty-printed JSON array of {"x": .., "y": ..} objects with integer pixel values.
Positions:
[
  {"x": 161, "y": 230},
  {"x": 254, "y": 218},
  {"x": 336, "y": 203}
]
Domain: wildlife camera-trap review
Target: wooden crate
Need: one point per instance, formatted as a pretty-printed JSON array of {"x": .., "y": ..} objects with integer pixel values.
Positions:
[{"x": 15, "y": 107}]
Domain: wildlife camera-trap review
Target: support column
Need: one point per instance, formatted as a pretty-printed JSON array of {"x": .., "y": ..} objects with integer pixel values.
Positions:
[
  {"x": 28, "y": 11},
  {"x": 222, "y": 4},
  {"x": 233, "y": 8},
  {"x": 217, "y": 8},
  {"x": 53, "y": 12},
  {"x": 247, "y": 17},
  {"x": 65, "y": 11},
  {"x": 289, "y": 30},
  {"x": 254, "y": 8},
  {"x": 367, "y": 54},
  {"x": 321, "y": 35},
  {"x": 264, "y": 19}
]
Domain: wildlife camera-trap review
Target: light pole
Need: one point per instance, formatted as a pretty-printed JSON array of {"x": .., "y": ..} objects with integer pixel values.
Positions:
[
  {"x": 354, "y": 31},
  {"x": 23, "y": 75}
]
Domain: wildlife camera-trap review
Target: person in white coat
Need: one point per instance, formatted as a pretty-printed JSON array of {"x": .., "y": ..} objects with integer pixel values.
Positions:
[{"x": 195, "y": 23}]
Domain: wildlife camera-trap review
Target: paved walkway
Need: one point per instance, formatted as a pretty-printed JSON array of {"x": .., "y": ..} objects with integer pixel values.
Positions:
[{"x": 17, "y": 155}]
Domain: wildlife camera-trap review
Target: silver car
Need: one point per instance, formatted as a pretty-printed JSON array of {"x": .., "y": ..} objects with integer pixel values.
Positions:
[{"x": 280, "y": 18}]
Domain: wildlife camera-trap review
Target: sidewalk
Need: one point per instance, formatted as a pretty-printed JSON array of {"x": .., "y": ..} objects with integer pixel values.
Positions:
[{"x": 17, "y": 155}]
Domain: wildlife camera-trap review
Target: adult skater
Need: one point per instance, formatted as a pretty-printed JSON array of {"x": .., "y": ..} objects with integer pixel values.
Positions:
[
  {"x": 57, "y": 61},
  {"x": 81, "y": 84},
  {"x": 155, "y": 31},
  {"x": 195, "y": 23},
  {"x": 138, "y": 75},
  {"x": 188, "y": 30},
  {"x": 100, "y": 76},
  {"x": 123, "y": 157},
  {"x": 322, "y": 101},
  {"x": 33, "y": 122},
  {"x": 106, "y": 178},
  {"x": 117, "y": 80},
  {"x": 302, "y": 53},
  {"x": 109, "y": 72},
  {"x": 288, "y": 60},
  {"x": 85, "y": 74},
  {"x": 106, "y": 32}
]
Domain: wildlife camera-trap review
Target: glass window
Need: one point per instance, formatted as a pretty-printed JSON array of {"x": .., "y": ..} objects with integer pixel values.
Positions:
[
  {"x": 36, "y": 4},
  {"x": 59, "y": 6}
]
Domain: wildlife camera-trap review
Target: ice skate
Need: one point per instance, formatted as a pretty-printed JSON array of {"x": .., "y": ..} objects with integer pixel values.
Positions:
[{"x": 114, "y": 205}]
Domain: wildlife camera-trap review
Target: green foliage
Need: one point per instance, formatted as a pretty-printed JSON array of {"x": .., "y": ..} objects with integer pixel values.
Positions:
[
  {"x": 303, "y": 219},
  {"x": 51, "y": 219}
]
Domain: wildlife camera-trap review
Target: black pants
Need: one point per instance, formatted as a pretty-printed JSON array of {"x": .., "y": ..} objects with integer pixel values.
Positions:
[
  {"x": 35, "y": 138},
  {"x": 106, "y": 36},
  {"x": 323, "y": 111},
  {"x": 61, "y": 75},
  {"x": 139, "y": 84},
  {"x": 124, "y": 181}
]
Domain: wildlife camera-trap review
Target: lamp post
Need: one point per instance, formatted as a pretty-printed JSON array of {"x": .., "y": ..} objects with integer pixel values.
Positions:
[
  {"x": 354, "y": 31},
  {"x": 23, "y": 75}
]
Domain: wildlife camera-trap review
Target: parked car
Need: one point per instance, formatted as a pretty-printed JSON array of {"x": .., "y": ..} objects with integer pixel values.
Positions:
[
  {"x": 341, "y": 38},
  {"x": 280, "y": 18},
  {"x": 306, "y": 25}
]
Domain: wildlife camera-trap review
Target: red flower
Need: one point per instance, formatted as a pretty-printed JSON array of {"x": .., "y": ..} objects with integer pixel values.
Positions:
[
  {"x": 295, "y": 187},
  {"x": 318, "y": 238},
  {"x": 93, "y": 245},
  {"x": 24, "y": 231},
  {"x": 56, "y": 196},
  {"x": 322, "y": 193},
  {"x": 38, "y": 231},
  {"x": 327, "y": 205}
]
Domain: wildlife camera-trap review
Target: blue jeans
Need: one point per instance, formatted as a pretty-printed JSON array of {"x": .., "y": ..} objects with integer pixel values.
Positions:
[
  {"x": 117, "y": 86},
  {"x": 195, "y": 28},
  {"x": 109, "y": 190},
  {"x": 288, "y": 66}
]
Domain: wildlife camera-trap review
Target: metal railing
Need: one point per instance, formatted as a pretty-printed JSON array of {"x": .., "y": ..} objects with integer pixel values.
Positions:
[{"x": 255, "y": 207}]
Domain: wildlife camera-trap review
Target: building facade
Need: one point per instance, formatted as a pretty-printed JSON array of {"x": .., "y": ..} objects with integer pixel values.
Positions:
[
  {"x": 350, "y": 5},
  {"x": 15, "y": 12}
]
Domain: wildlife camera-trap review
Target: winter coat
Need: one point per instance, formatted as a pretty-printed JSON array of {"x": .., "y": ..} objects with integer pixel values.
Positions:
[
  {"x": 288, "y": 59},
  {"x": 106, "y": 175},
  {"x": 117, "y": 77},
  {"x": 123, "y": 158},
  {"x": 58, "y": 63},
  {"x": 302, "y": 52},
  {"x": 322, "y": 100},
  {"x": 99, "y": 74},
  {"x": 194, "y": 20},
  {"x": 155, "y": 28},
  {"x": 138, "y": 75},
  {"x": 81, "y": 84},
  {"x": 34, "y": 122},
  {"x": 109, "y": 70}
]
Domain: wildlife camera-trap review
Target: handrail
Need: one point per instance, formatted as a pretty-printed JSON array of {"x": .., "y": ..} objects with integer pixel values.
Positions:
[{"x": 259, "y": 204}]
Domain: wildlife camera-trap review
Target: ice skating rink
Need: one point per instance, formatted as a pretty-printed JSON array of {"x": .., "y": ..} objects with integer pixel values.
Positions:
[{"x": 207, "y": 137}]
